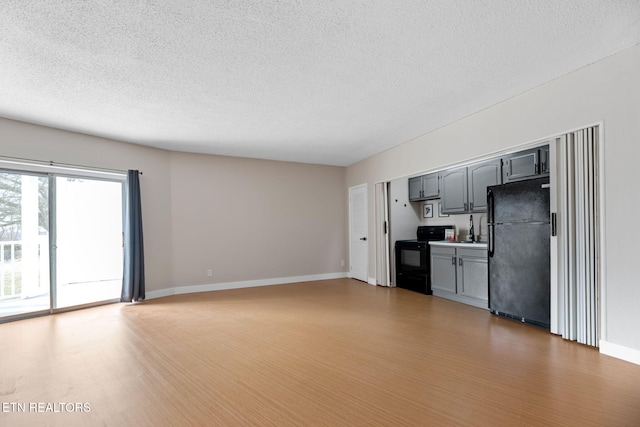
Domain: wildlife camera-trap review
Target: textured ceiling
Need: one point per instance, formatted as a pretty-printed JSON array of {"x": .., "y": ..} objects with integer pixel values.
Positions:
[{"x": 328, "y": 82}]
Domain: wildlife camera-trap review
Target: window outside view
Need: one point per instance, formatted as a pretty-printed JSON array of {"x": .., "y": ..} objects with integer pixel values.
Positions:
[{"x": 88, "y": 247}]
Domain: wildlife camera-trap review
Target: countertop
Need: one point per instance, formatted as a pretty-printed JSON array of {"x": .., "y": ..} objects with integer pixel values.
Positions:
[{"x": 479, "y": 245}]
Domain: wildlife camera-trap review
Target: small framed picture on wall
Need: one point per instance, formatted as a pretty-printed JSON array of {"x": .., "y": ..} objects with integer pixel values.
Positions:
[{"x": 428, "y": 210}]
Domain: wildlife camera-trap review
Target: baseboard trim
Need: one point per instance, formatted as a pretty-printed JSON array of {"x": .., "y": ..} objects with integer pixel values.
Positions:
[
  {"x": 191, "y": 289},
  {"x": 620, "y": 352}
]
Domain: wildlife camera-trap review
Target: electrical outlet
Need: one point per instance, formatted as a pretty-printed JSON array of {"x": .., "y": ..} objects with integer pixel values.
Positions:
[{"x": 209, "y": 272}]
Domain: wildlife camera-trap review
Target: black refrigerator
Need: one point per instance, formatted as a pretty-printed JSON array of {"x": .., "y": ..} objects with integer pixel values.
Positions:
[{"x": 519, "y": 251}]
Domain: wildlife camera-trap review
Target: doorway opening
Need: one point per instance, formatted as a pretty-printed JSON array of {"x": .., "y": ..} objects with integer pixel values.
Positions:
[{"x": 60, "y": 242}]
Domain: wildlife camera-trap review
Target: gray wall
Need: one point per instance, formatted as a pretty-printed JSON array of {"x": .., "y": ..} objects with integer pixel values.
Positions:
[
  {"x": 245, "y": 219},
  {"x": 607, "y": 93},
  {"x": 252, "y": 219},
  {"x": 28, "y": 141}
]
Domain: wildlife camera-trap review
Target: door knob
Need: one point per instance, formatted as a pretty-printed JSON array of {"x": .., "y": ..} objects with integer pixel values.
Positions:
[{"x": 363, "y": 238}]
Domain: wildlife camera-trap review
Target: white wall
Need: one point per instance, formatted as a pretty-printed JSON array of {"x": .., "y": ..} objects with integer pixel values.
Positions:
[
  {"x": 460, "y": 222},
  {"x": 247, "y": 220},
  {"x": 606, "y": 92},
  {"x": 403, "y": 214}
]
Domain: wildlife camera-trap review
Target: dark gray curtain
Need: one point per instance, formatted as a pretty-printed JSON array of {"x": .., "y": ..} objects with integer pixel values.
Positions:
[{"x": 133, "y": 278}]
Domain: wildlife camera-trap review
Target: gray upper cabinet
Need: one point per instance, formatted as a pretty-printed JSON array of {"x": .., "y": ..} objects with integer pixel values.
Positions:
[
  {"x": 525, "y": 164},
  {"x": 464, "y": 189},
  {"x": 415, "y": 188},
  {"x": 544, "y": 160},
  {"x": 521, "y": 165},
  {"x": 431, "y": 185},
  {"x": 453, "y": 191},
  {"x": 480, "y": 176},
  {"x": 424, "y": 187}
]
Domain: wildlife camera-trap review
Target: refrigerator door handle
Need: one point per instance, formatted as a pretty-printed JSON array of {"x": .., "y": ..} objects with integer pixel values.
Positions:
[
  {"x": 490, "y": 220},
  {"x": 490, "y": 205},
  {"x": 491, "y": 237}
]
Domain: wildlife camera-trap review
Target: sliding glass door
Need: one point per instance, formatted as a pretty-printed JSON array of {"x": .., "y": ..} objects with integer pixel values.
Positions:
[
  {"x": 60, "y": 242},
  {"x": 88, "y": 241},
  {"x": 24, "y": 243}
]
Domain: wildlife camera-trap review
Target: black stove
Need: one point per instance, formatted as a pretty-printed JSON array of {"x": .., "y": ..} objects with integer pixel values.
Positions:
[{"x": 413, "y": 267}]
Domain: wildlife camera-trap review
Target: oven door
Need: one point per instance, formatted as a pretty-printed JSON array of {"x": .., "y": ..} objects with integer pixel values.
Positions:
[{"x": 412, "y": 269}]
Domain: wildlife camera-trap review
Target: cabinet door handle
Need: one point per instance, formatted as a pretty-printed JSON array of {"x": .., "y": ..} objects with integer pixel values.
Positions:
[
  {"x": 460, "y": 262},
  {"x": 471, "y": 206},
  {"x": 453, "y": 260}
]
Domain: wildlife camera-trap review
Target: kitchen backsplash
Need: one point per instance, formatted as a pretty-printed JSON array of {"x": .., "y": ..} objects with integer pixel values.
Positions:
[{"x": 461, "y": 222}]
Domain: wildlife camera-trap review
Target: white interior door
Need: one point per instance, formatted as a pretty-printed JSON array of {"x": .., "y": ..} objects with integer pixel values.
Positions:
[{"x": 358, "y": 241}]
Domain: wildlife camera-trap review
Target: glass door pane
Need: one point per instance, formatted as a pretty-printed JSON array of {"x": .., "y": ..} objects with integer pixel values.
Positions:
[
  {"x": 24, "y": 244},
  {"x": 88, "y": 241}
]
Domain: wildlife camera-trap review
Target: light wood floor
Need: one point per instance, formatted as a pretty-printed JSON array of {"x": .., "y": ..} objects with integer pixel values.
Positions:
[{"x": 336, "y": 352}]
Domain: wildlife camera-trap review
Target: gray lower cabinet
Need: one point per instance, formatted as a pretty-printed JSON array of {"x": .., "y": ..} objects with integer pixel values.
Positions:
[
  {"x": 460, "y": 274},
  {"x": 443, "y": 270}
]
